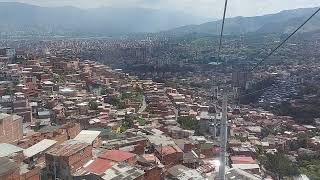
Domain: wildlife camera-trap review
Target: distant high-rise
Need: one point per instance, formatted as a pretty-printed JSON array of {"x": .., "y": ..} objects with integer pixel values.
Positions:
[
  {"x": 240, "y": 78},
  {"x": 8, "y": 52}
]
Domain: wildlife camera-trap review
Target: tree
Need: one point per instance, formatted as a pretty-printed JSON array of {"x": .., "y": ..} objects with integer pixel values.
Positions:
[
  {"x": 303, "y": 140},
  {"x": 8, "y": 91},
  {"x": 135, "y": 96},
  {"x": 141, "y": 121},
  {"x": 58, "y": 78},
  {"x": 103, "y": 91},
  {"x": 266, "y": 131},
  {"x": 188, "y": 122},
  {"x": 93, "y": 105},
  {"x": 303, "y": 114},
  {"x": 311, "y": 169},
  {"x": 280, "y": 165},
  {"x": 116, "y": 102},
  {"x": 127, "y": 123},
  {"x": 309, "y": 88}
]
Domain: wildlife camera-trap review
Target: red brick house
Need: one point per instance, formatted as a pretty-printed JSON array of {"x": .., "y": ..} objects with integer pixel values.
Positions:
[
  {"x": 10, "y": 128},
  {"x": 66, "y": 158},
  {"x": 169, "y": 155}
]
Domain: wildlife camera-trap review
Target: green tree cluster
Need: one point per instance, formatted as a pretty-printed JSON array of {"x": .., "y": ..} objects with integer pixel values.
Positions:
[
  {"x": 311, "y": 169},
  {"x": 127, "y": 123},
  {"x": 188, "y": 122},
  {"x": 304, "y": 114},
  {"x": 9, "y": 91},
  {"x": 93, "y": 105},
  {"x": 116, "y": 102},
  {"x": 135, "y": 96},
  {"x": 58, "y": 78},
  {"x": 309, "y": 88},
  {"x": 280, "y": 165},
  {"x": 141, "y": 121}
]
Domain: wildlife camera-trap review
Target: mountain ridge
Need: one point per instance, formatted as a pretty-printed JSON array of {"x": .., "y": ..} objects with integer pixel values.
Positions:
[
  {"x": 104, "y": 20},
  {"x": 281, "y": 22}
]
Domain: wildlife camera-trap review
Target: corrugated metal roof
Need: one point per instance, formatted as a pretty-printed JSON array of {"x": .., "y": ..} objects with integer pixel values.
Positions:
[
  {"x": 39, "y": 147},
  {"x": 4, "y": 115},
  {"x": 160, "y": 140},
  {"x": 68, "y": 148},
  {"x": 235, "y": 173},
  {"x": 242, "y": 160},
  {"x": 184, "y": 173},
  {"x": 170, "y": 149},
  {"x": 8, "y": 149},
  {"x": 7, "y": 166},
  {"x": 87, "y": 136},
  {"x": 246, "y": 166},
  {"x": 99, "y": 166},
  {"x": 122, "y": 172},
  {"x": 116, "y": 155}
]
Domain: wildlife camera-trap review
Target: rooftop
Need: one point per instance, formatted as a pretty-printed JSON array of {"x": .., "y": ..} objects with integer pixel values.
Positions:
[
  {"x": 246, "y": 166},
  {"x": 255, "y": 129},
  {"x": 39, "y": 147},
  {"x": 165, "y": 150},
  {"x": 7, "y": 166},
  {"x": 4, "y": 115},
  {"x": 116, "y": 155},
  {"x": 8, "y": 149},
  {"x": 183, "y": 173},
  {"x": 242, "y": 160},
  {"x": 158, "y": 140},
  {"x": 68, "y": 148},
  {"x": 98, "y": 166},
  {"x": 235, "y": 173},
  {"x": 150, "y": 157},
  {"x": 87, "y": 136},
  {"x": 122, "y": 172}
]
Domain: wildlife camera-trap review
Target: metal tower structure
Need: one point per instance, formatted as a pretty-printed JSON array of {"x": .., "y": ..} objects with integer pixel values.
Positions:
[{"x": 223, "y": 138}]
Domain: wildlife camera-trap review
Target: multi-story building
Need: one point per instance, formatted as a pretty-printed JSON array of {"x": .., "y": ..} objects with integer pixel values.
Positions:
[
  {"x": 64, "y": 159},
  {"x": 10, "y": 128},
  {"x": 169, "y": 155},
  {"x": 8, "y": 52},
  {"x": 210, "y": 122},
  {"x": 240, "y": 79},
  {"x": 18, "y": 104}
]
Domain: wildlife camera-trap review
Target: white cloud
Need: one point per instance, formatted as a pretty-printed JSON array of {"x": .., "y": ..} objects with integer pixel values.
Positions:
[{"x": 208, "y": 8}]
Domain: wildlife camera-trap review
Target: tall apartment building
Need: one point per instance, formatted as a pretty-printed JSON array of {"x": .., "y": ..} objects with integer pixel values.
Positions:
[
  {"x": 8, "y": 52},
  {"x": 240, "y": 78}
]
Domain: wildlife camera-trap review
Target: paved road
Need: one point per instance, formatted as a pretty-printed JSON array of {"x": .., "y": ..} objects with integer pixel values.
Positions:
[
  {"x": 144, "y": 105},
  {"x": 176, "y": 112}
]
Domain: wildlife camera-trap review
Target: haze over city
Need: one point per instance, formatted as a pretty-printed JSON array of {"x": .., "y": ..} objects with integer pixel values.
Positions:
[
  {"x": 160, "y": 90},
  {"x": 203, "y": 8}
]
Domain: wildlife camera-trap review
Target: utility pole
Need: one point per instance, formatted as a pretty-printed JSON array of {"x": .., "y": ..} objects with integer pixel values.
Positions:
[{"x": 223, "y": 138}]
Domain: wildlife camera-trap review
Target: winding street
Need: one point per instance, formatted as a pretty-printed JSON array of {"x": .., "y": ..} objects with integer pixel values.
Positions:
[{"x": 144, "y": 105}]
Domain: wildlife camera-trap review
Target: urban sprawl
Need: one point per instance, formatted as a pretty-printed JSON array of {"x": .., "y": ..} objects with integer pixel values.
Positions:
[{"x": 152, "y": 109}]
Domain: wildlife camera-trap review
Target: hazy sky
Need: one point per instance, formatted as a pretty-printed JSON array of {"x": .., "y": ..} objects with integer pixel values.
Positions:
[{"x": 205, "y": 8}]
